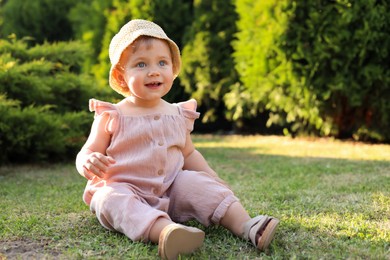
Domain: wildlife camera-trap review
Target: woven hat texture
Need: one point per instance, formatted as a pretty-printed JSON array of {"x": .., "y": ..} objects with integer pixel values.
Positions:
[{"x": 127, "y": 35}]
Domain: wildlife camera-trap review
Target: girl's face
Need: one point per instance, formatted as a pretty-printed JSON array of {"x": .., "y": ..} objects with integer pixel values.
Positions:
[{"x": 148, "y": 70}]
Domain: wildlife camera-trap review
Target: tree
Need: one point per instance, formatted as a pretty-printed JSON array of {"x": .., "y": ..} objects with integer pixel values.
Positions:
[
  {"x": 315, "y": 66},
  {"x": 208, "y": 69},
  {"x": 44, "y": 20},
  {"x": 88, "y": 22}
]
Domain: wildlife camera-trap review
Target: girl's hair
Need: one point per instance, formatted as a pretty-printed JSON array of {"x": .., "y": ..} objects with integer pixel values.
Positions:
[{"x": 143, "y": 39}]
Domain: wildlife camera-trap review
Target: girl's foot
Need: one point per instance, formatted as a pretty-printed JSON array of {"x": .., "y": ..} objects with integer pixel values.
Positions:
[
  {"x": 261, "y": 230},
  {"x": 178, "y": 239}
]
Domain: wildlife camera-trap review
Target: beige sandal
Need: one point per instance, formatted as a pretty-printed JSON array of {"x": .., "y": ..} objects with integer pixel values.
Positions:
[
  {"x": 260, "y": 230},
  {"x": 177, "y": 239}
]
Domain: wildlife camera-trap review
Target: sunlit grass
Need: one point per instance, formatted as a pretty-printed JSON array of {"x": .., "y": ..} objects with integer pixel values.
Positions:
[
  {"x": 332, "y": 197},
  {"x": 304, "y": 147}
]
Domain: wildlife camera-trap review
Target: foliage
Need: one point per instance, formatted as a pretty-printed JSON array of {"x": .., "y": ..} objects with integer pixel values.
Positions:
[
  {"x": 315, "y": 66},
  {"x": 310, "y": 67},
  {"x": 35, "y": 134},
  {"x": 88, "y": 21},
  {"x": 43, "y": 100},
  {"x": 208, "y": 70},
  {"x": 45, "y": 74},
  {"x": 45, "y": 20},
  {"x": 257, "y": 59},
  {"x": 342, "y": 64}
]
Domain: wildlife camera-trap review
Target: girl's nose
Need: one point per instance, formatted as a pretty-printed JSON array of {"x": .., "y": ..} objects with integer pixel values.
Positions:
[{"x": 153, "y": 72}]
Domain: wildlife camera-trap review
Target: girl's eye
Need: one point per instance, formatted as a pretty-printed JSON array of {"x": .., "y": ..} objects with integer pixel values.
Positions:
[
  {"x": 162, "y": 63},
  {"x": 141, "y": 65}
]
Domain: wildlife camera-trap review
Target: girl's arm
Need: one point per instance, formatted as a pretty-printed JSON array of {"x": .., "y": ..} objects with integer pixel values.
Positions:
[
  {"x": 92, "y": 161},
  {"x": 194, "y": 160}
]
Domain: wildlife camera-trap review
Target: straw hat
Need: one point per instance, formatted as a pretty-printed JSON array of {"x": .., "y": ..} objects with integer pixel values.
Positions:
[{"x": 127, "y": 35}]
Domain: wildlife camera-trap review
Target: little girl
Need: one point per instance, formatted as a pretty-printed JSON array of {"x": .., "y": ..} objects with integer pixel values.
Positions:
[{"x": 144, "y": 174}]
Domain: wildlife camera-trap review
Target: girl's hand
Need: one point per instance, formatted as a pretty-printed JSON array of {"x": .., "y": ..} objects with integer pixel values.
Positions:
[{"x": 96, "y": 164}]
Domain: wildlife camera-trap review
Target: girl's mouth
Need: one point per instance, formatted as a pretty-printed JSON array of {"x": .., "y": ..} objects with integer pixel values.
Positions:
[{"x": 153, "y": 84}]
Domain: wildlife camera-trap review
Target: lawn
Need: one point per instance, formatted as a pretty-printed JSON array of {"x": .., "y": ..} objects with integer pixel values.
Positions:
[{"x": 332, "y": 197}]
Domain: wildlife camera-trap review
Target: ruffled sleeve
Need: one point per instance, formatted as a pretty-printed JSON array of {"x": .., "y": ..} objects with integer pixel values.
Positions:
[
  {"x": 102, "y": 108},
  {"x": 188, "y": 110}
]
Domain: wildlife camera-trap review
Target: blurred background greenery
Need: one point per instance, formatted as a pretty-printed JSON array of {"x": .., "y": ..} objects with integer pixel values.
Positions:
[{"x": 318, "y": 67}]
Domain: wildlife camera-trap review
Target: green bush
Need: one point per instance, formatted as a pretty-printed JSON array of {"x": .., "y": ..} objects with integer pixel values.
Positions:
[
  {"x": 45, "y": 74},
  {"x": 45, "y": 20},
  {"x": 208, "y": 70},
  {"x": 36, "y": 134},
  {"x": 88, "y": 22},
  {"x": 43, "y": 101},
  {"x": 315, "y": 66},
  {"x": 310, "y": 67}
]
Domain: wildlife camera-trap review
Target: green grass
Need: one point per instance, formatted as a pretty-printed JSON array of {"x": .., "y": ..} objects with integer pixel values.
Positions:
[{"x": 332, "y": 197}]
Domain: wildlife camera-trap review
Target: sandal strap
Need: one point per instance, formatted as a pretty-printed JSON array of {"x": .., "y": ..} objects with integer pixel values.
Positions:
[{"x": 253, "y": 226}]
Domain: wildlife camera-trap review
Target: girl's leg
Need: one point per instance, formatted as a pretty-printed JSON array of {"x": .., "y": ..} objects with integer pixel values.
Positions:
[
  {"x": 260, "y": 230},
  {"x": 235, "y": 218},
  {"x": 157, "y": 227},
  {"x": 119, "y": 208},
  {"x": 196, "y": 195}
]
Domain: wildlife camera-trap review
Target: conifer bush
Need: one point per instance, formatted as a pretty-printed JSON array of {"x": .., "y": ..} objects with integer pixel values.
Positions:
[
  {"x": 43, "y": 100},
  {"x": 316, "y": 66},
  {"x": 44, "y": 20},
  {"x": 308, "y": 67},
  {"x": 37, "y": 134},
  {"x": 208, "y": 69}
]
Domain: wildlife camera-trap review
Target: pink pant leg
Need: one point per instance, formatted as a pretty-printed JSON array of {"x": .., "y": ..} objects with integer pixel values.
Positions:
[
  {"x": 118, "y": 207},
  {"x": 196, "y": 195}
]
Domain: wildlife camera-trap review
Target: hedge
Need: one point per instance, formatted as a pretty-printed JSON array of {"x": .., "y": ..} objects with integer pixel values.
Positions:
[
  {"x": 43, "y": 100},
  {"x": 317, "y": 67}
]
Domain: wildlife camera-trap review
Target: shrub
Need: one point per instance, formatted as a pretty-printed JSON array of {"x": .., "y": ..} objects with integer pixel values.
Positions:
[
  {"x": 45, "y": 74},
  {"x": 316, "y": 66},
  {"x": 34, "y": 134},
  {"x": 43, "y": 98},
  {"x": 45, "y": 20},
  {"x": 208, "y": 70}
]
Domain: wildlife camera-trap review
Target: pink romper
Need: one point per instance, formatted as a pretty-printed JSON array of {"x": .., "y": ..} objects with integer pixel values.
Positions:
[{"x": 147, "y": 181}]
